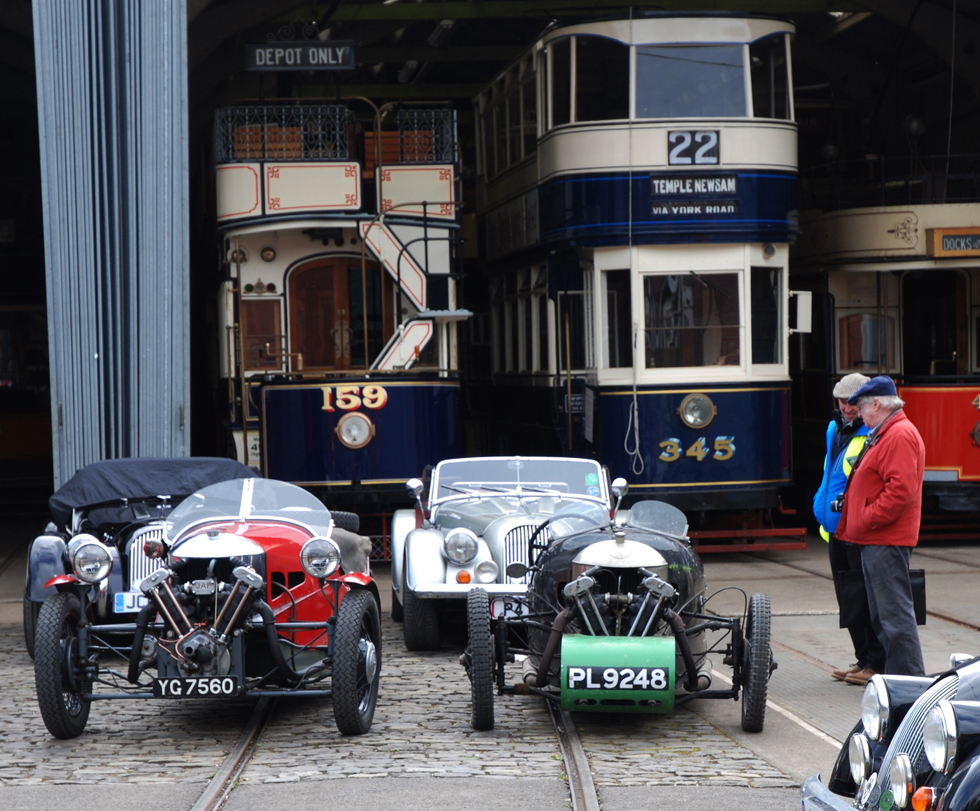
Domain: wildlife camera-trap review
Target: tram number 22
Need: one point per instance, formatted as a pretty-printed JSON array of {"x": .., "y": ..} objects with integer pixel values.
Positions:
[
  {"x": 350, "y": 398},
  {"x": 724, "y": 449},
  {"x": 704, "y": 144}
]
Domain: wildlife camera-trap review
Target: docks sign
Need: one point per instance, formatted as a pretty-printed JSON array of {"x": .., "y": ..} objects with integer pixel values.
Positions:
[{"x": 300, "y": 55}]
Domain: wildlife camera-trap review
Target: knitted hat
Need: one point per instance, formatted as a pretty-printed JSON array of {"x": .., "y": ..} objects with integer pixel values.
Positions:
[{"x": 849, "y": 384}]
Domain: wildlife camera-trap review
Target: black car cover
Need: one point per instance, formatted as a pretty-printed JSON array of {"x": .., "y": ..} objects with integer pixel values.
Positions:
[{"x": 115, "y": 479}]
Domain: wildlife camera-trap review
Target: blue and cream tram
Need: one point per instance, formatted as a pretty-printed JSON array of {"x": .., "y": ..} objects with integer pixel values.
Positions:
[
  {"x": 338, "y": 313},
  {"x": 637, "y": 194}
]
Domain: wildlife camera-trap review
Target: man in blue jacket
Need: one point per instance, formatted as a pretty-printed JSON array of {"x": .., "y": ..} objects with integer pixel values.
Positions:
[{"x": 846, "y": 435}]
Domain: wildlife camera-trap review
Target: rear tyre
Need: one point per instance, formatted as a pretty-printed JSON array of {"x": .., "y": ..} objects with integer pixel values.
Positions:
[
  {"x": 356, "y": 662},
  {"x": 349, "y": 521},
  {"x": 420, "y": 623},
  {"x": 31, "y": 610},
  {"x": 397, "y": 612},
  {"x": 479, "y": 658},
  {"x": 58, "y": 675},
  {"x": 756, "y": 662}
]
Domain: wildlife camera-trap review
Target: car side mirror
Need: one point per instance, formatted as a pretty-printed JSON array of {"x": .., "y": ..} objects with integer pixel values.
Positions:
[
  {"x": 415, "y": 487},
  {"x": 619, "y": 489},
  {"x": 517, "y": 570}
]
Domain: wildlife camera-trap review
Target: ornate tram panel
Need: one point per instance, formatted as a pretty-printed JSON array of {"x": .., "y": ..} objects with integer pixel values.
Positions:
[{"x": 637, "y": 196}]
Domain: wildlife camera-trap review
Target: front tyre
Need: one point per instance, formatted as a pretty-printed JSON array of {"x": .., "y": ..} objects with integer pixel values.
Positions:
[
  {"x": 31, "y": 611},
  {"x": 356, "y": 662},
  {"x": 756, "y": 663},
  {"x": 420, "y": 622},
  {"x": 58, "y": 675},
  {"x": 479, "y": 658}
]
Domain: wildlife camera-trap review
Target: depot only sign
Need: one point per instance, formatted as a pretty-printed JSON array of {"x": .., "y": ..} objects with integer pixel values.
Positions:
[{"x": 314, "y": 55}]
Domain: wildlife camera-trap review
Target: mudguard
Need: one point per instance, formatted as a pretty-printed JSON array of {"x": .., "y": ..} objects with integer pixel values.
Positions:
[
  {"x": 594, "y": 668},
  {"x": 359, "y": 580},
  {"x": 963, "y": 792},
  {"x": 402, "y": 523},
  {"x": 45, "y": 560},
  {"x": 424, "y": 562}
]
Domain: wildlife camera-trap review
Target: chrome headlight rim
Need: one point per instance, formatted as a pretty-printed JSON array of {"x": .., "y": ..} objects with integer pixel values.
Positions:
[
  {"x": 697, "y": 410},
  {"x": 900, "y": 779},
  {"x": 875, "y": 709},
  {"x": 940, "y": 733},
  {"x": 486, "y": 571},
  {"x": 90, "y": 559},
  {"x": 355, "y": 430},
  {"x": 460, "y": 546},
  {"x": 859, "y": 758},
  {"x": 320, "y": 558}
]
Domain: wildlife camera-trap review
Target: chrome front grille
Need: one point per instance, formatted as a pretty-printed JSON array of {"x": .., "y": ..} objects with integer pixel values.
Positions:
[
  {"x": 140, "y": 566},
  {"x": 516, "y": 548}
]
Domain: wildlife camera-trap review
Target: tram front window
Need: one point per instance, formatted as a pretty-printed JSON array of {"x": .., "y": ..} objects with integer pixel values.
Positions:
[
  {"x": 681, "y": 81},
  {"x": 692, "y": 320},
  {"x": 770, "y": 79}
]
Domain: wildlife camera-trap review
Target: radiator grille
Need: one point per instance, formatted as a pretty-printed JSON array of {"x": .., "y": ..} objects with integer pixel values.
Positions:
[
  {"x": 516, "y": 548},
  {"x": 140, "y": 566}
]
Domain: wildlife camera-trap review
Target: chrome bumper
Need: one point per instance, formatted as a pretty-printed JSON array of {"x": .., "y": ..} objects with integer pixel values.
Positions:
[
  {"x": 448, "y": 591},
  {"x": 817, "y": 797}
]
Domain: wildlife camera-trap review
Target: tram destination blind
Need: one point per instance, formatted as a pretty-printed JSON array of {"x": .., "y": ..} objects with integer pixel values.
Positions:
[{"x": 694, "y": 195}]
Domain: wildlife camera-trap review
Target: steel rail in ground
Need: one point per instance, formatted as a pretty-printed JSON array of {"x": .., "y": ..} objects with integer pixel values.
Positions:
[
  {"x": 224, "y": 779},
  {"x": 580, "y": 783}
]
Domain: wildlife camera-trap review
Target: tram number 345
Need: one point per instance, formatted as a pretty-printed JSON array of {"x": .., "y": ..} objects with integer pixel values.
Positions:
[{"x": 724, "y": 449}]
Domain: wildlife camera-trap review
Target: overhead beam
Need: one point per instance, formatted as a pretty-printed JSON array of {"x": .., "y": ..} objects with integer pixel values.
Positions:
[{"x": 500, "y": 9}]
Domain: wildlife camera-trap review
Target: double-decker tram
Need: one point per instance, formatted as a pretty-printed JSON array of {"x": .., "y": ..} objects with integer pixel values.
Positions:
[
  {"x": 891, "y": 250},
  {"x": 637, "y": 194},
  {"x": 338, "y": 312}
]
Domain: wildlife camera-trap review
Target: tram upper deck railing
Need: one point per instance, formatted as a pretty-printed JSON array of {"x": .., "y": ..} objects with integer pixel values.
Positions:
[
  {"x": 332, "y": 132},
  {"x": 881, "y": 181}
]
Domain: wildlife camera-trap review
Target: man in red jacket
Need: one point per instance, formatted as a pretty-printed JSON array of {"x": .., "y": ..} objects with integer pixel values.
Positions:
[{"x": 881, "y": 512}]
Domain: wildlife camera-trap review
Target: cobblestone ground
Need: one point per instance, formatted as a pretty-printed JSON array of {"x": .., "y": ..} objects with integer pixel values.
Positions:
[{"x": 421, "y": 727}]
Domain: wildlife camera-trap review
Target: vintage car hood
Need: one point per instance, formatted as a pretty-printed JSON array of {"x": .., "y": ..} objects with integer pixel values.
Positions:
[{"x": 478, "y": 515}]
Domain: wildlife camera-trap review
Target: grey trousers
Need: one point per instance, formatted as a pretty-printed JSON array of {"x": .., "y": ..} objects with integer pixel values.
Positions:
[{"x": 886, "y": 577}]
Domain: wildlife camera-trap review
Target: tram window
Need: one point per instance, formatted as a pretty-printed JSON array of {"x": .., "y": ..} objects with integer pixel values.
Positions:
[
  {"x": 602, "y": 79},
  {"x": 528, "y": 333},
  {"x": 513, "y": 329},
  {"x": 561, "y": 82},
  {"x": 543, "y": 333},
  {"x": 261, "y": 326},
  {"x": 618, "y": 349},
  {"x": 692, "y": 320},
  {"x": 490, "y": 158},
  {"x": 678, "y": 81},
  {"x": 766, "y": 295},
  {"x": 770, "y": 79},
  {"x": 500, "y": 136},
  {"x": 571, "y": 329},
  {"x": 859, "y": 343},
  {"x": 377, "y": 317},
  {"x": 529, "y": 121},
  {"x": 514, "y": 127}
]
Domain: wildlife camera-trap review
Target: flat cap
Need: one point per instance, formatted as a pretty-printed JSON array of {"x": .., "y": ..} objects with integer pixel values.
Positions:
[
  {"x": 880, "y": 386},
  {"x": 849, "y": 384}
]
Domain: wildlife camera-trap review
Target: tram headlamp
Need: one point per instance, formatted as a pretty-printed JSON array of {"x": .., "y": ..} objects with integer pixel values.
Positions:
[
  {"x": 319, "y": 557},
  {"x": 900, "y": 778},
  {"x": 939, "y": 736},
  {"x": 859, "y": 757},
  {"x": 355, "y": 430},
  {"x": 875, "y": 709},
  {"x": 697, "y": 410},
  {"x": 460, "y": 546},
  {"x": 90, "y": 559}
]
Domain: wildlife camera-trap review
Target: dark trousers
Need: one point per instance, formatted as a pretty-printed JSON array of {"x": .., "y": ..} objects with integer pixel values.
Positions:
[
  {"x": 868, "y": 649},
  {"x": 886, "y": 576}
]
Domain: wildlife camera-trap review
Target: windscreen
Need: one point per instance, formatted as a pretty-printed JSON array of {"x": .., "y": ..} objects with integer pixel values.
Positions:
[
  {"x": 685, "y": 81},
  {"x": 487, "y": 477}
]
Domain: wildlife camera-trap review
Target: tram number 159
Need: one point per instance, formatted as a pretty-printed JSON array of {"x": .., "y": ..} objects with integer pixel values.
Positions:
[{"x": 724, "y": 449}]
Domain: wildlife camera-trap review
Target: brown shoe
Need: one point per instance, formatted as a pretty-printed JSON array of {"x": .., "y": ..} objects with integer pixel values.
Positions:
[
  {"x": 840, "y": 675},
  {"x": 861, "y": 677}
]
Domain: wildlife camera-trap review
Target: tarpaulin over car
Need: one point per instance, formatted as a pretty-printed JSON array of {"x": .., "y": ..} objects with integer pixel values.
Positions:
[{"x": 115, "y": 479}]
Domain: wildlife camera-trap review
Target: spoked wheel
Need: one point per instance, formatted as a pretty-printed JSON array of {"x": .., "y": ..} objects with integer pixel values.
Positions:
[
  {"x": 479, "y": 658},
  {"x": 58, "y": 675},
  {"x": 356, "y": 662},
  {"x": 756, "y": 663},
  {"x": 421, "y": 623},
  {"x": 31, "y": 610}
]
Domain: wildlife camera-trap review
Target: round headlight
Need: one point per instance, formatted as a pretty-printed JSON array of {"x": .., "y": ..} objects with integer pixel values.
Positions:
[
  {"x": 319, "y": 557},
  {"x": 90, "y": 559},
  {"x": 460, "y": 546},
  {"x": 875, "y": 709},
  {"x": 486, "y": 571},
  {"x": 355, "y": 430},
  {"x": 900, "y": 777},
  {"x": 859, "y": 755},
  {"x": 939, "y": 736},
  {"x": 697, "y": 410}
]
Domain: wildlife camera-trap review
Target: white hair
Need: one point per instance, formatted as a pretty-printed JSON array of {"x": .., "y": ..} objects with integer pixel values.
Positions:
[{"x": 889, "y": 402}]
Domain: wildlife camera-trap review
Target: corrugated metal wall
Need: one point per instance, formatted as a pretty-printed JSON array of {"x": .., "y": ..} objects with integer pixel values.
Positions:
[{"x": 112, "y": 108}]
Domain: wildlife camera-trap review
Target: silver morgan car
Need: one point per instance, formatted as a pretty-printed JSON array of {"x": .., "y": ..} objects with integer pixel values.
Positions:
[{"x": 474, "y": 519}]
